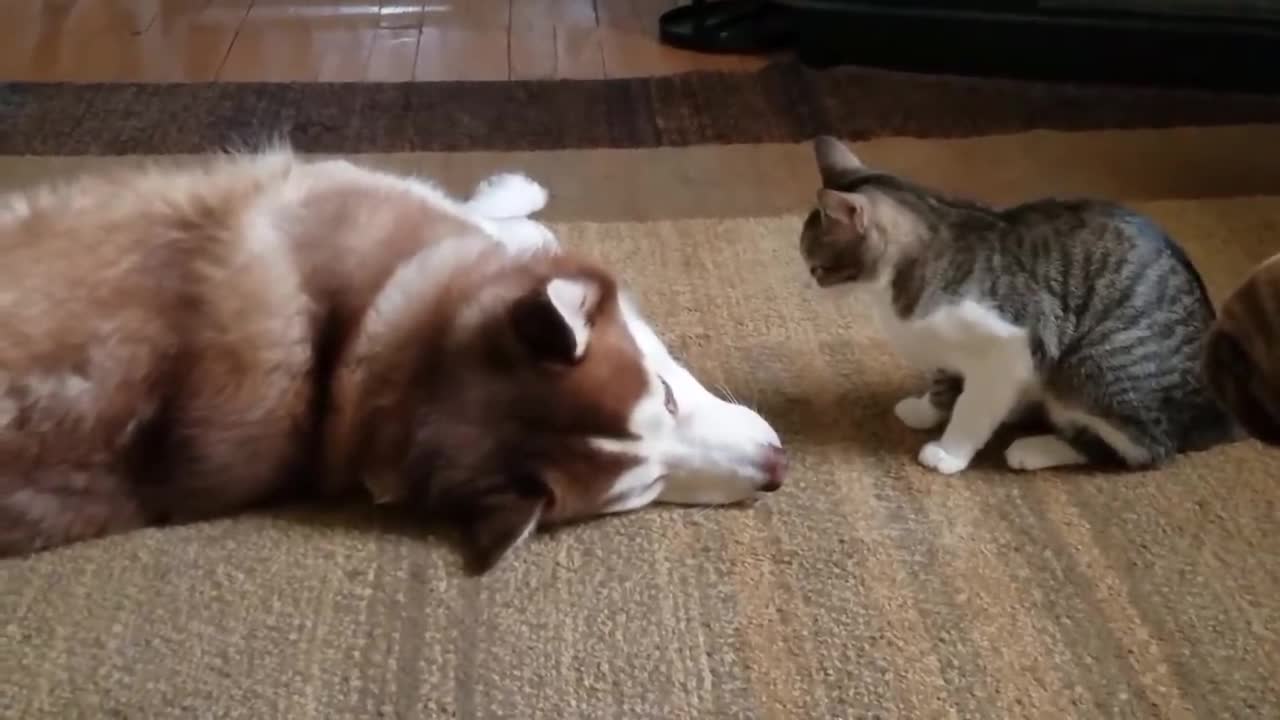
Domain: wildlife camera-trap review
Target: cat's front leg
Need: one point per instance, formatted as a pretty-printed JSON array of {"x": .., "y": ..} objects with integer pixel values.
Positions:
[
  {"x": 985, "y": 401},
  {"x": 934, "y": 406}
]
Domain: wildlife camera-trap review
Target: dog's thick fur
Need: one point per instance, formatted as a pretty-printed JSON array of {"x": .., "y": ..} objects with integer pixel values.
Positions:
[
  {"x": 189, "y": 342},
  {"x": 1242, "y": 354}
]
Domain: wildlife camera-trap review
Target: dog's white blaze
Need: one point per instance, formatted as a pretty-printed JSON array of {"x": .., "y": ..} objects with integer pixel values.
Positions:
[
  {"x": 635, "y": 489},
  {"x": 655, "y": 428},
  {"x": 711, "y": 452},
  {"x": 571, "y": 298}
]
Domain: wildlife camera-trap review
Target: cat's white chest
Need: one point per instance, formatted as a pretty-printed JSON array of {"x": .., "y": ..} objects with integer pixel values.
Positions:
[{"x": 964, "y": 338}]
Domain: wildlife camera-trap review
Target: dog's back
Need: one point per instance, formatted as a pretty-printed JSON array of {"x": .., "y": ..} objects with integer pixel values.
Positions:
[{"x": 146, "y": 315}]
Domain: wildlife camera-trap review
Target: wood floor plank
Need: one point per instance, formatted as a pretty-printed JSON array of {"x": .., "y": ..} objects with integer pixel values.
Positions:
[
  {"x": 279, "y": 53},
  {"x": 401, "y": 14},
  {"x": 635, "y": 16},
  {"x": 346, "y": 55},
  {"x": 532, "y": 51},
  {"x": 392, "y": 57},
  {"x": 463, "y": 53},
  {"x": 578, "y": 53},
  {"x": 188, "y": 41},
  {"x": 472, "y": 14},
  {"x": 344, "y": 40}
]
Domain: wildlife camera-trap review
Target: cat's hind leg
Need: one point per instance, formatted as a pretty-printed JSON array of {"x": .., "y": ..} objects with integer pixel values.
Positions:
[
  {"x": 931, "y": 408},
  {"x": 990, "y": 396},
  {"x": 1117, "y": 428},
  {"x": 1038, "y": 452}
]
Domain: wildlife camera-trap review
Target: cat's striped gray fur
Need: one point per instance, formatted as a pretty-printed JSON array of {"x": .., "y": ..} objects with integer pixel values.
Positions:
[{"x": 1089, "y": 308}]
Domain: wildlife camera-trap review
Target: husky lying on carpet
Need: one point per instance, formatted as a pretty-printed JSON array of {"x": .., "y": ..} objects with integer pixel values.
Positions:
[{"x": 186, "y": 343}]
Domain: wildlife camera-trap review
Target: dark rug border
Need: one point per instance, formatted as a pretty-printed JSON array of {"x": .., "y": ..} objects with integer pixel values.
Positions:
[{"x": 783, "y": 102}]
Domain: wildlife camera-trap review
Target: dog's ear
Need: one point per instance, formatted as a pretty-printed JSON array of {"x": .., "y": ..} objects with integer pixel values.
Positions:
[
  {"x": 500, "y": 520},
  {"x": 553, "y": 322}
]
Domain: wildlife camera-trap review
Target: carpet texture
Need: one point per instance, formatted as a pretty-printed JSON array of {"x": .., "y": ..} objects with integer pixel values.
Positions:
[{"x": 866, "y": 587}]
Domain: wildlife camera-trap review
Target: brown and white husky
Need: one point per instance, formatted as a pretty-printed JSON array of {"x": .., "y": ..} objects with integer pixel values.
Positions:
[{"x": 188, "y": 342}]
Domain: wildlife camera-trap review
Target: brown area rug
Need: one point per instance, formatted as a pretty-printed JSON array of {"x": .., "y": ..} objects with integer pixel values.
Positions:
[
  {"x": 779, "y": 103},
  {"x": 867, "y": 587}
]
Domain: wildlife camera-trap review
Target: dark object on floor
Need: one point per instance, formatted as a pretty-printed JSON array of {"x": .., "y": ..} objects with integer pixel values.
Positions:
[
  {"x": 738, "y": 26},
  {"x": 1228, "y": 46}
]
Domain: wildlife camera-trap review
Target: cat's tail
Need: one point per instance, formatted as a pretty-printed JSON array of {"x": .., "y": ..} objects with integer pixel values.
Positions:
[{"x": 507, "y": 196}]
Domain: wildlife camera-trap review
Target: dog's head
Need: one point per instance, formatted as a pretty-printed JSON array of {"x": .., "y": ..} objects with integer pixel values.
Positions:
[{"x": 496, "y": 395}]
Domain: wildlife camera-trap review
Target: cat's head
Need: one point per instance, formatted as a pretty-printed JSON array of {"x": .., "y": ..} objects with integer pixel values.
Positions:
[{"x": 850, "y": 234}]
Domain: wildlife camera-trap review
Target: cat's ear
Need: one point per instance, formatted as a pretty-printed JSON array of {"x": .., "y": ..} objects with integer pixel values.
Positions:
[
  {"x": 845, "y": 208},
  {"x": 835, "y": 160}
]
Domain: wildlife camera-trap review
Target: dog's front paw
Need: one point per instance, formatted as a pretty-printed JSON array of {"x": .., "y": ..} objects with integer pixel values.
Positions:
[
  {"x": 918, "y": 413},
  {"x": 935, "y": 457}
]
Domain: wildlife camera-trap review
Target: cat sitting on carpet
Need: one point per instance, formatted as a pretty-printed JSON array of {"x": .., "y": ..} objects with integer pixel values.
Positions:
[
  {"x": 1079, "y": 310},
  {"x": 1240, "y": 362}
]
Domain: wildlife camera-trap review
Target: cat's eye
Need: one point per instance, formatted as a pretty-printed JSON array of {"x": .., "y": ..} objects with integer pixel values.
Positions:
[{"x": 669, "y": 397}]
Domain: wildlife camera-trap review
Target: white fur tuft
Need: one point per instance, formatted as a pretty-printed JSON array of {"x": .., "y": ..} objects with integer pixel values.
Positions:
[
  {"x": 506, "y": 196},
  {"x": 571, "y": 298},
  {"x": 522, "y": 235}
]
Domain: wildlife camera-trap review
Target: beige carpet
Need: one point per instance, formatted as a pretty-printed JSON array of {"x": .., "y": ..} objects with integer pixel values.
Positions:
[{"x": 867, "y": 587}]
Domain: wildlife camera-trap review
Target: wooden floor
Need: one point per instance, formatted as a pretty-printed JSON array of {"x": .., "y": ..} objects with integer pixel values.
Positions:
[{"x": 338, "y": 40}]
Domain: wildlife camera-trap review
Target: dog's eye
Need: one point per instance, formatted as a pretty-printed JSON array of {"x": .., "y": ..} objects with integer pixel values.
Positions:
[{"x": 670, "y": 398}]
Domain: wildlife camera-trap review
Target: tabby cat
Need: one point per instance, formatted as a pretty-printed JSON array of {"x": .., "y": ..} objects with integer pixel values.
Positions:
[
  {"x": 1081, "y": 311},
  {"x": 1242, "y": 361}
]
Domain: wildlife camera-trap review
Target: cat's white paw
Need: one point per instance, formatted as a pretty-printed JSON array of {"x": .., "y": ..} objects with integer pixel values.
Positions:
[
  {"x": 1038, "y": 452},
  {"x": 935, "y": 457},
  {"x": 918, "y": 413}
]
